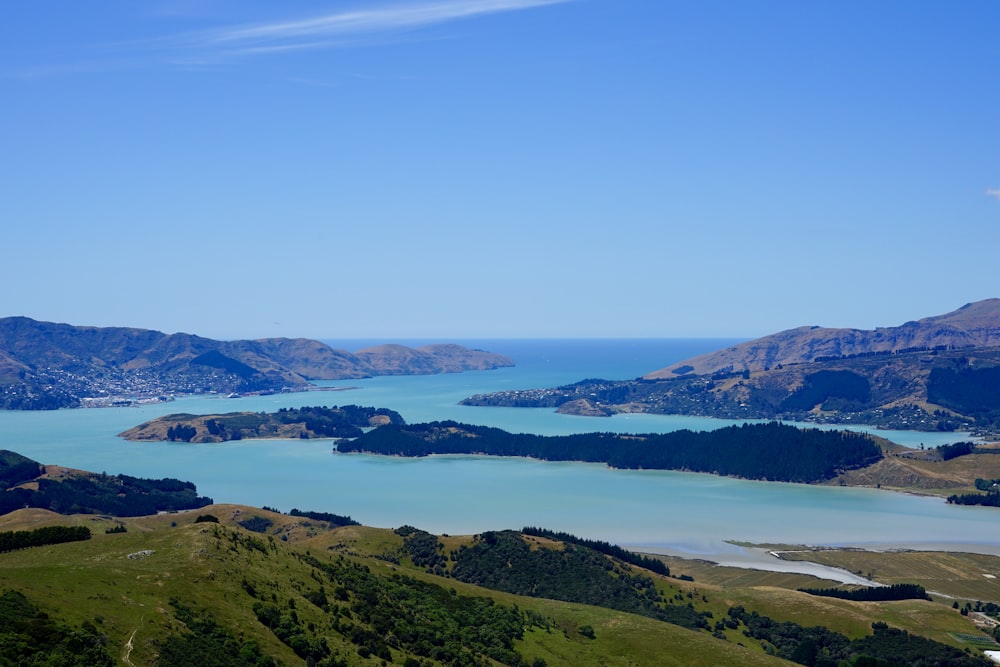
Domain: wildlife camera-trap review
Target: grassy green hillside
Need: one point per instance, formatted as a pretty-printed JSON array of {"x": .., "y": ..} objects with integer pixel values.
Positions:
[
  {"x": 185, "y": 575},
  {"x": 260, "y": 586}
]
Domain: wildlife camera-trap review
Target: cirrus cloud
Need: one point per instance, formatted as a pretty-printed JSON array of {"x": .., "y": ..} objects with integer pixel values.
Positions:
[
  {"x": 227, "y": 43},
  {"x": 332, "y": 29}
]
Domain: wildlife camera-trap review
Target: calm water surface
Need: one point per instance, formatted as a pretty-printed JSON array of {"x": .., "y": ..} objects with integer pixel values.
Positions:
[{"x": 679, "y": 512}]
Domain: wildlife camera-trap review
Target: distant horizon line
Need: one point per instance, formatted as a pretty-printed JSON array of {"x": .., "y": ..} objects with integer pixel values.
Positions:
[{"x": 524, "y": 338}]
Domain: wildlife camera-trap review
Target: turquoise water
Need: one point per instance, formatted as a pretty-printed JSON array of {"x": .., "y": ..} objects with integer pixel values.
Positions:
[{"x": 683, "y": 512}]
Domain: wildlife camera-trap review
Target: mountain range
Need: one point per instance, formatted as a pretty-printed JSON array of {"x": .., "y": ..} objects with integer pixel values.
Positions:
[
  {"x": 937, "y": 373},
  {"x": 45, "y": 365}
]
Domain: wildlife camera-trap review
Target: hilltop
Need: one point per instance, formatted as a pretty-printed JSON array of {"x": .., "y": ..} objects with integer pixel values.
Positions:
[
  {"x": 45, "y": 365},
  {"x": 938, "y": 373},
  {"x": 974, "y": 325}
]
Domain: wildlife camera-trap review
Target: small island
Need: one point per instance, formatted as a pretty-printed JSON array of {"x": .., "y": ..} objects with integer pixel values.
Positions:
[{"x": 348, "y": 421}]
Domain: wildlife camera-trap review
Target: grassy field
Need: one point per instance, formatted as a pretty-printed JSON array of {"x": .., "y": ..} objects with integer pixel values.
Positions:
[
  {"x": 777, "y": 593},
  {"x": 949, "y": 575}
]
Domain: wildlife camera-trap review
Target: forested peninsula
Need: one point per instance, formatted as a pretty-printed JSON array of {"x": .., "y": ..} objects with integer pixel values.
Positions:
[{"x": 768, "y": 451}]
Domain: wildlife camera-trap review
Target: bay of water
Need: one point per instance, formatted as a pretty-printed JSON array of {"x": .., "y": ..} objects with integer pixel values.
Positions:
[{"x": 684, "y": 513}]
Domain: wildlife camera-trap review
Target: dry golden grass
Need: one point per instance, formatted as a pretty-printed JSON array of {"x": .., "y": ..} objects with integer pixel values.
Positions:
[{"x": 898, "y": 472}]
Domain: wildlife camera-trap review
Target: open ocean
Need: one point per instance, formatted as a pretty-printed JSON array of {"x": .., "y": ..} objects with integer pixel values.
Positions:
[{"x": 686, "y": 513}]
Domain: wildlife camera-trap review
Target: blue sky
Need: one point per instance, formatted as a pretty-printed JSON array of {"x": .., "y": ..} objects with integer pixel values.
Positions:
[{"x": 454, "y": 169}]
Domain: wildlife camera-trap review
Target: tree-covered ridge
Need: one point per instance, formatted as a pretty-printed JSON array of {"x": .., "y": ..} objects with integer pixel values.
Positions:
[
  {"x": 424, "y": 549},
  {"x": 503, "y": 560},
  {"x": 954, "y": 450},
  {"x": 385, "y": 617},
  {"x": 91, "y": 493},
  {"x": 16, "y": 468},
  {"x": 873, "y": 593},
  {"x": 817, "y": 646},
  {"x": 333, "y": 520},
  {"x": 615, "y": 551},
  {"x": 348, "y": 421},
  {"x": 11, "y": 540},
  {"x": 770, "y": 451},
  {"x": 969, "y": 390}
]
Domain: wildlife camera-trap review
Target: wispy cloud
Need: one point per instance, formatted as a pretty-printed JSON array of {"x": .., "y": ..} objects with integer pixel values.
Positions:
[
  {"x": 340, "y": 28},
  {"x": 993, "y": 192},
  {"x": 223, "y": 44}
]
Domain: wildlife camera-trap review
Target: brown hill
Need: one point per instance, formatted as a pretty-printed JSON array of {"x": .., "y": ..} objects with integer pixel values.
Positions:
[
  {"x": 311, "y": 359},
  {"x": 429, "y": 359},
  {"x": 973, "y": 325}
]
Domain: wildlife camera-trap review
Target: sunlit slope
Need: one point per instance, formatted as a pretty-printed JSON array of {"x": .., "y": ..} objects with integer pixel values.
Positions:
[{"x": 221, "y": 571}]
